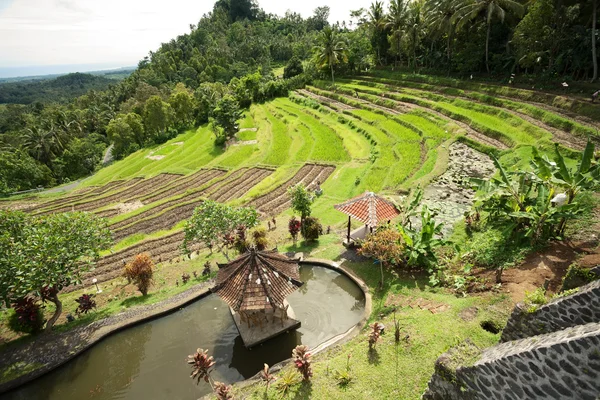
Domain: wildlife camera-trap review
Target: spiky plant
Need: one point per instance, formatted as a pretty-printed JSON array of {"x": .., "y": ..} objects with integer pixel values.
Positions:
[
  {"x": 286, "y": 381},
  {"x": 301, "y": 356},
  {"x": 201, "y": 364},
  {"x": 374, "y": 335},
  {"x": 267, "y": 377},
  {"x": 222, "y": 391}
]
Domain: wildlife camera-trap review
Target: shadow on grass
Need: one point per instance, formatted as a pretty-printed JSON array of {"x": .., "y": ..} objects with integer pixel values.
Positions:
[
  {"x": 373, "y": 356},
  {"x": 305, "y": 391},
  {"x": 134, "y": 301}
]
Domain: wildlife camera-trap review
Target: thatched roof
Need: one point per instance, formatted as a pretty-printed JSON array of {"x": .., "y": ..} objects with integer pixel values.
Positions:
[
  {"x": 257, "y": 280},
  {"x": 369, "y": 209}
]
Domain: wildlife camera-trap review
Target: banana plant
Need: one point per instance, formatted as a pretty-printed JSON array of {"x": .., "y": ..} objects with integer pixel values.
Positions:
[{"x": 420, "y": 245}]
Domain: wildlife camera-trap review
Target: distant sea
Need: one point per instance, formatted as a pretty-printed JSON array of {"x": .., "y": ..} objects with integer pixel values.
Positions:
[{"x": 40, "y": 70}]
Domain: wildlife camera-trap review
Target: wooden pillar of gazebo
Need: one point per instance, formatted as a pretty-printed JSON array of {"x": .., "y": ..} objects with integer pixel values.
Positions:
[{"x": 349, "y": 224}]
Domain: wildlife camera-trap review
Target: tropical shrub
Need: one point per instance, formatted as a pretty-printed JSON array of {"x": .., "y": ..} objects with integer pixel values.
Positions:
[
  {"x": 223, "y": 391},
  {"x": 311, "y": 228},
  {"x": 286, "y": 381},
  {"x": 267, "y": 377},
  {"x": 27, "y": 317},
  {"x": 384, "y": 245},
  {"x": 86, "y": 303},
  {"x": 259, "y": 236},
  {"x": 301, "y": 357},
  {"x": 294, "y": 228},
  {"x": 420, "y": 245},
  {"x": 140, "y": 272},
  {"x": 293, "y": 68},
  {"x": 375, "y": 334},
  {"x": 185, "y": 277},
  {"x": 201, "y": 364}
]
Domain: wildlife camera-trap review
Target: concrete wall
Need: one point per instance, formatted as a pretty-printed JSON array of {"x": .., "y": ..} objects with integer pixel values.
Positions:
[
  {"x": 579, "y": 308},
  {"x": 558, "y": 365}
]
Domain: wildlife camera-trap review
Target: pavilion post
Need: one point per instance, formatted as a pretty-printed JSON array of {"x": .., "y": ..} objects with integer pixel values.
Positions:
[{"x": 349, "y": 221}]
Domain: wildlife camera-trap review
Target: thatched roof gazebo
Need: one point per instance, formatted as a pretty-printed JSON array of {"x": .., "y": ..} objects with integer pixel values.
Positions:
[
  {"x": 255, "y": 286},
  {"x": 369, "y": 209}
]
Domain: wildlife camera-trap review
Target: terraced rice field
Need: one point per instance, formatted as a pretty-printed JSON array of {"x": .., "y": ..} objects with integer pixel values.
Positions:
[{"x": 381, "y": 132}]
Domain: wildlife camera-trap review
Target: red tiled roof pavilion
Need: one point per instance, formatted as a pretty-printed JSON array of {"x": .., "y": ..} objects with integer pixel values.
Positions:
[
  {"x": 257, "y": 280},
  {"x": 369, "y": 209}
]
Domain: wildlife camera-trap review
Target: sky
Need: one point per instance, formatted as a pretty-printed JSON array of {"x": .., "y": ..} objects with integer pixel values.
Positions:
[{"x": 103, "y": 34}]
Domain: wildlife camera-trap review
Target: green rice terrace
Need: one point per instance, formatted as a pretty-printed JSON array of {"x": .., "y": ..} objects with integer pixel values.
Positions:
[{"x": 382, "y": 132}]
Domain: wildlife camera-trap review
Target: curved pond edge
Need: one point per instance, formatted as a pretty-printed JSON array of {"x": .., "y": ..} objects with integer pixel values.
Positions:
[
  {"x": 336, "y": 340},
  {"x": 113, "y": 324}
]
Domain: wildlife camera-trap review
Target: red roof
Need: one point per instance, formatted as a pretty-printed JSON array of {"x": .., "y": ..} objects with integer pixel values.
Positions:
[
  {"x": 369, "y": 208},
  {"x": 257, "y": 280}
]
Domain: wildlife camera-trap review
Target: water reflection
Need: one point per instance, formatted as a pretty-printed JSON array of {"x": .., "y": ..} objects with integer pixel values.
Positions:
[{"x": 149, "y": 361}]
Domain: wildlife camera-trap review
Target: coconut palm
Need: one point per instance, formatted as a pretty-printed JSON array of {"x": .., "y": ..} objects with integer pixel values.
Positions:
[
  {"x": 414, "y": 28},
  {"x": 439, "y": 20},
  {"x": 594, "y": 59},
  {"x": 40, "y": 142},
  {"x": 396, "y": 21},
  {"x": 330, "y": 50},
  {"x": 376, "y": 21},
  {"x": 468, "y": 10}
]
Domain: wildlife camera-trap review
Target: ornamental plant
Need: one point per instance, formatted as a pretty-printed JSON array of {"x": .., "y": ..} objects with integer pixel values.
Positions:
[
  {"x": 385, "y": 245},
  {"x": 86, "y": 303},
  {"x": 201, "y": 364},
  {"x": 267, "y": 377},
  {"x": 223, "y": 391},
  {"x": 259, "y": 236},
  {"x": 294, "y": 228},
  {"x": 375, "y": 334},
  {"x": 311, "y": 228},
  {"x": 301, "y": 356},
  {"x": 28, "y": 316},
  {"x": 140, "y": 272}
]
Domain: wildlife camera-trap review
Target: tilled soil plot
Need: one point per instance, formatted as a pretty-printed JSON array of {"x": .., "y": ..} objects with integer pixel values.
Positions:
[
  {"x": 111, "y": 266},
  {"x": 277, "y": 199},
  {"x": 244, "y": 180},
  {"x": 326, "y": 100},
  {"x": 241, "y": 185},
  {"x": 193, "y": 181},
  {"x": 143, "y": 187}
]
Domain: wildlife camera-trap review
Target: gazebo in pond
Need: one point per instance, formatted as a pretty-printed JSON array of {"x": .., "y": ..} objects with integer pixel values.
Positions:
[
  {"x": 255, "y": 286},
  {"x": 368, "y": 208}
]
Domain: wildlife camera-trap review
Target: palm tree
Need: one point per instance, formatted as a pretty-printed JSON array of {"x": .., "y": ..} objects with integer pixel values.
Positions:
[
  {"x": 414, "y": 28},
  {"x": 396, "y": 21},
  {"x": 330, "y": 51},
  {"x": 376, "y": 21},
  {"x": 439, "y": 20},
  {"x": 40, "y": 143},
  {"x": 470, "y": 9}
]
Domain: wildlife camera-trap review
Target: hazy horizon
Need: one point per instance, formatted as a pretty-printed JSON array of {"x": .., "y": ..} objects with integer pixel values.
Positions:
[
  {"x": 40, "y": 70},
  {"x": 45, "y": 35}
]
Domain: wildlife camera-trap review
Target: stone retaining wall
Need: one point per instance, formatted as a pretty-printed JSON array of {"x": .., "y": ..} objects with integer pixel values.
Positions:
[
  {"x": 579, "y": 308},
  {"x": 558, "y": 365}
]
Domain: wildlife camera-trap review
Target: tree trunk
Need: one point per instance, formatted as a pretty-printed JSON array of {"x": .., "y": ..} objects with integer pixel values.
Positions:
[
  {"x": 594, "y": 59},
  {"x": 58, "y": 304},
  {"x": 332, "y": 80},
  {"x": 487, "y": 45}
]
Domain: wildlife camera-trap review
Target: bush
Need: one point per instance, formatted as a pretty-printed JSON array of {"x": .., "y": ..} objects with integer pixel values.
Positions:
[
  {"x": 86, "y": 303},
  {"x": 293, "y": 68},
  {"x": 312, "y": 228},
  {"x": 27, "y": 317},
  {"x": 140, "y": 271},
  {"x": 294, "y": 228},
  {"x": 260, "y": 238}
]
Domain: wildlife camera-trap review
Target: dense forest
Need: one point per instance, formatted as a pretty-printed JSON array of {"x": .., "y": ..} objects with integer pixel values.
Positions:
[
  {"x": 61, "y": 89},
  {"x": 226, "y": 62}
]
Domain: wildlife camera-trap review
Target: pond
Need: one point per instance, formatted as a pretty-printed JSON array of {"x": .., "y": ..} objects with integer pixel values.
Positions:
[{"x": 148, "y": 361}]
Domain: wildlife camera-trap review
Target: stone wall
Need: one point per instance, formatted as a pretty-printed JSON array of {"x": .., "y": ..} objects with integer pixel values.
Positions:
[
  {"x": 558, "y": 365},
  {"x": 579, "y": 308}
]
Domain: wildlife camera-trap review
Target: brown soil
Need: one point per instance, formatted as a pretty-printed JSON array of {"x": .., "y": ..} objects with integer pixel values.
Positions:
[
  {"x": 237, "y": 184},
  {"x": 193, "y": 181},
  {"x": 111, "y": 212},
  {"x": 133, "y": 192},
  {"x": 277, "y": 200},
  {"x": 548, "y": 265}
]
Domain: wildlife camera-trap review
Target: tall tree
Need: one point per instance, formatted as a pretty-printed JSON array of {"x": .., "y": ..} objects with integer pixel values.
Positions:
[
  {"x": 395, "y": 22},
  {"x": 330, "y": 50},
  {"x": 376, "y": 21},
  {"x": 43, "y": 255},
  {"x": 439, "y": 20},
  {"x": 468, "y": 10}
]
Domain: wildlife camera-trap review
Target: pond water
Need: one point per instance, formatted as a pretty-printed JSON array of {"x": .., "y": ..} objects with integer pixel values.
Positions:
[{"x": 148, "y": 361}]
